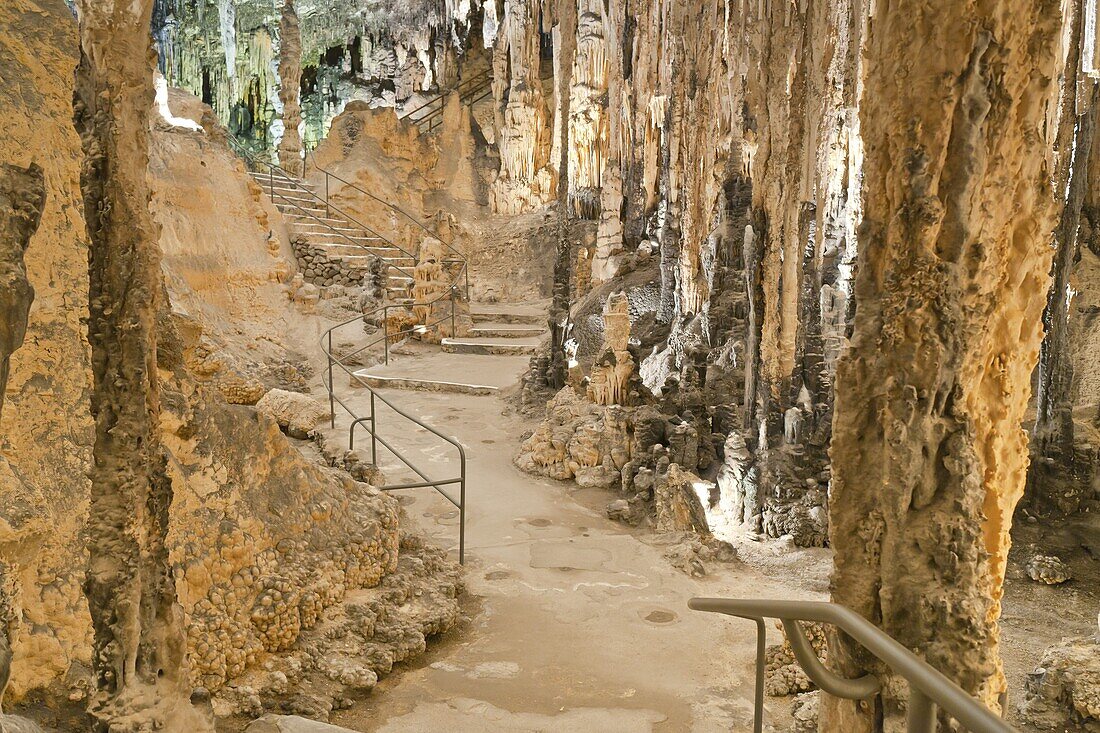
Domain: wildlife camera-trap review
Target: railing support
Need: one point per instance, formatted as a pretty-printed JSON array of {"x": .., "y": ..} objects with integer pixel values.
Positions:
[
  {"x": 331, "y": 386},
  {"x": 454, "y": 334},
  {"x": 373, "y": 432},
  {"x": 922, "y": 713},
  {"x": 928, "y": 688}
]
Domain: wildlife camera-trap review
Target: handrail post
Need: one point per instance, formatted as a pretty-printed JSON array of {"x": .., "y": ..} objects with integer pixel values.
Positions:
[
  {"x": 327, "y": 210},
  {"x": 922, "y": 712},
  {"x": 331, "y": 385},
  {"x": 373, "y": 426},
  {"x": 462, "y": 511},
  {"x": 386, "y": 333},
  {"x": 454, "y": 334},
  {"x": 758, "y": 700}
]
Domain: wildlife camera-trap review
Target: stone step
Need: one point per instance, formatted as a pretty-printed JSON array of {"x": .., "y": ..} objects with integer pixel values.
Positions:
[
  {"x": 422, "y": 385},
  {"x": 504, "y": 346},
  {"x": 278, "y": 178},
  {"x": 444, "y": 372},
  {"x": 317, "y": 224},
  {"x": 303, "y": 210},
  {"x": 336, "y": 239},
  {"x": 292, "y": 724},
  {"x": 484, "y": 329},
  {"x": 530, "y": 314}
]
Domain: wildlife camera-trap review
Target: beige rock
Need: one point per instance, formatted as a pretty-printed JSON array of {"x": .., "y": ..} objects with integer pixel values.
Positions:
[{"x": 298, "y": 413}]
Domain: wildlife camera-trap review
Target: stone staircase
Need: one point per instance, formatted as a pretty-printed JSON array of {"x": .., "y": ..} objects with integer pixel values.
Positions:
[
  {"x": 483, "y": 362},
  {"x": 330, "y": 247}
]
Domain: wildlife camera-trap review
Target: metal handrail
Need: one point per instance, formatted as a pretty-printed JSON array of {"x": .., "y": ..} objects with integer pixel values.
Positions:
[
  {"x": 927, "y": 686},
  {"x": 370, "y": 421},
  {"x": 472, "y": 97},
  {"x": 464, "y": 272},
  {"x": 477, "y": 80},
  {"x": 272, "y": 168},
  {"x": 335, "y": 361}
]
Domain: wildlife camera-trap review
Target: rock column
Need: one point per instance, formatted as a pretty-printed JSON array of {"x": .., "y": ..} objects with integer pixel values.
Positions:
[
  {"x": 138, "y": 644},
  {"x": 928, "y": 452},
  {"x": 290, "y": 74}
]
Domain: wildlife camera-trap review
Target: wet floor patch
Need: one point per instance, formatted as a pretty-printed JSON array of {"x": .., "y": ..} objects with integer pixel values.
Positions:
[
  {"x": 566, "y": 556},
  {"x": 497, "y": 575},
  {"x": 660, "y": 616},
  {"x": 539, "y": 522}
]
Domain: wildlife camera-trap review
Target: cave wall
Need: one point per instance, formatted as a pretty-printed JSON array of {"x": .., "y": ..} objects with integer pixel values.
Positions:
[
  {"x": 249, "y": 515},
  {"x": 47, "y": 428}
]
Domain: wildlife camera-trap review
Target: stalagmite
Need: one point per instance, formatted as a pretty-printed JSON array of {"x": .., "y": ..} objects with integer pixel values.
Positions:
[
  {"x": 610, "y": 377},
  {"x": 138, "y": 657},
  {"x": 290, "y": 73},
  {"x": 928, "y": 452}
]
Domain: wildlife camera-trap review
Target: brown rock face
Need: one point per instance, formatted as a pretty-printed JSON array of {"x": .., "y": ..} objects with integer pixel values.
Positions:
[
  {"x": 139, "y": 644},
  {"x": 928, "y": 452},
  {"x": 22, "y": 198}
]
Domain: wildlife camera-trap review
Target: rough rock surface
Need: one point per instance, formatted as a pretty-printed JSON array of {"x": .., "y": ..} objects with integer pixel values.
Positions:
[
  {"x": 251, "y": 519},
  {"x": 928, "y": 453},
  {"x": 1048, "y": 569},
  {"x": 1063, "y": 693},
  {"x": 50, "y": 377},
  {"x": 298, "y": 413}
]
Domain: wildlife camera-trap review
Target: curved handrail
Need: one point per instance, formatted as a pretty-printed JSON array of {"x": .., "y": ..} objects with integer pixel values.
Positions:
[
  {"x": 371, "y": 419},
  {"x": 289, "y": 177},
  {"x": 928, "y": 687},
  {"x": 464, "y": 271}
]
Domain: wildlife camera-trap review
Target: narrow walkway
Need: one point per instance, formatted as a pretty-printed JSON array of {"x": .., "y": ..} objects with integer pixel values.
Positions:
[{"x": 577, "y": 623}]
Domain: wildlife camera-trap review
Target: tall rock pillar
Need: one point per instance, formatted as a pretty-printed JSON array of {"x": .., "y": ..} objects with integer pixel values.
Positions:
[
  {"x": 928, "y": 451},
  {"x": 138, "y": 648},
  {"x": 290, "y": 89}
]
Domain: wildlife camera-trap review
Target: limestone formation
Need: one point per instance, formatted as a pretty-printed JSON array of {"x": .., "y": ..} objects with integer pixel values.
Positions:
[
  {"x": 22, "y": 198},
  {"x": 1063, "y": 692},
  {"x": 928, "y": 453},
  {"x": 609, "y": 380},
  {"x": 290, "y": 73},
  {"x": 138, "y": 654},
  {"x": 296, "y": 412},
  {"x": 523, "y": 122},
  {"x": 1048, "y": 569}
]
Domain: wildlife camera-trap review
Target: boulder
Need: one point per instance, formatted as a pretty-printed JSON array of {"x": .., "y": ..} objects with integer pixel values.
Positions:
[{"x": 295, "y": 412}]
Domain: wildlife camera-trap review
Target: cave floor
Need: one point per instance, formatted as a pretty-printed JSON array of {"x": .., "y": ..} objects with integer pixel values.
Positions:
[{"x": 575, "y": 622}]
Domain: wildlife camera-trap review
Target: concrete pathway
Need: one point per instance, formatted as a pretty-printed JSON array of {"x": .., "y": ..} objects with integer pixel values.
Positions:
[{"x": 576, "y": 623}]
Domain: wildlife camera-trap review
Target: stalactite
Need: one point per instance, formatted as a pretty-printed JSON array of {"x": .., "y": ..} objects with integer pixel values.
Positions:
[
  {"x": 139, "y": 643},
  {"x": 928, "y": 455}
]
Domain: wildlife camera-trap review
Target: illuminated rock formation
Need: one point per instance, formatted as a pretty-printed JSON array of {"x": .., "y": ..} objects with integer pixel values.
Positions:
[
  {"x": 290, "y": 74},
  {"x": 610, "y": 376},
  {"x": 928, "y": 452},
  {"x": 523, "y": 126}
]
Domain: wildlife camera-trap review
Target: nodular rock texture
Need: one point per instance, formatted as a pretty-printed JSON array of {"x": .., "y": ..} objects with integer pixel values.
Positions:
[
  {"x": 928, "y": 451},
  {"x": 248, "y": 544},
  {"x": 138, "y": 648}
]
